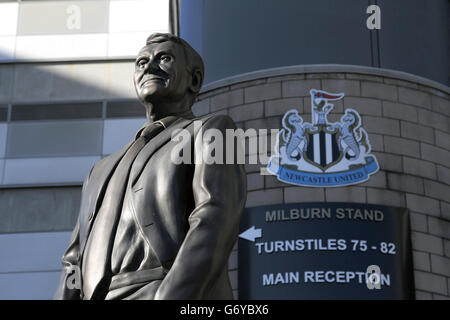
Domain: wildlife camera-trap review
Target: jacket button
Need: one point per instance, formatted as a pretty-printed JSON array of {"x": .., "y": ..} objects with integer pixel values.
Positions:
[{"x": 91, "y": 215}]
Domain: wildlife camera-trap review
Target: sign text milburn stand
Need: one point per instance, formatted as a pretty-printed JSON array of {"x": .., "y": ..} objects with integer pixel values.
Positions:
[{"x": 324, "y": 250}]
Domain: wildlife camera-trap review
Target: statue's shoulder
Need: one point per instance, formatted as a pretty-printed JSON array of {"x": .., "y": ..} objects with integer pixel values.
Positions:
[{"x": 113, "y": 157}]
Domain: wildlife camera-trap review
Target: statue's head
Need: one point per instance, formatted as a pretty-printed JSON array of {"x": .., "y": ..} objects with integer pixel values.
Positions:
[{"x": 168, "y": 69}]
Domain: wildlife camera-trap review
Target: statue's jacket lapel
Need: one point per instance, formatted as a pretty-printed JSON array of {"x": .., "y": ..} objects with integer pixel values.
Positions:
[
  {"x": 145, "y": 195},
  {"x": 93, "y": 191},
  {"x": 95, "y": 187}
]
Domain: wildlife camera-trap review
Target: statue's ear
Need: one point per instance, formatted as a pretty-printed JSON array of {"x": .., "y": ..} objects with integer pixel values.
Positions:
[{"x": 196, "y": 81}]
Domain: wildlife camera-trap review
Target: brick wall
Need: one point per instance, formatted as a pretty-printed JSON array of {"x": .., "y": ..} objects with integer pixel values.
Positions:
[{"x": 408, "y": 126}]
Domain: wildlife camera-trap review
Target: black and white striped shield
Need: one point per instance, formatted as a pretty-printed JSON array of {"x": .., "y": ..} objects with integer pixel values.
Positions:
[{"x": 323, "y": 150}]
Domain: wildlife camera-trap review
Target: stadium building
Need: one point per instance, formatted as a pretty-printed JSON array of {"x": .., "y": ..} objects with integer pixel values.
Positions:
[{"x": 67, "y": 100}]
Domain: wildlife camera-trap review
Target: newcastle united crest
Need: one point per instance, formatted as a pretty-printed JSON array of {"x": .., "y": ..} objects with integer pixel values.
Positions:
[{"x": 322, "y": 153}]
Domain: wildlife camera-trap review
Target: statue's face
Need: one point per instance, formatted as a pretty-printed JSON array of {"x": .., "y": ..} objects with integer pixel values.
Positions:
[{"x": 160, "y": 73}]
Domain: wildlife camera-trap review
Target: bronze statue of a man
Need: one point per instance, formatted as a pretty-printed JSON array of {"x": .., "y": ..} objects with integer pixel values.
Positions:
[{"x": 150, "y": 228}]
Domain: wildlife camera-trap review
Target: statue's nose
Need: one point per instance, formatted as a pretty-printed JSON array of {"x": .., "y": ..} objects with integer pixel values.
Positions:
[{"x": 151, "y": 66}]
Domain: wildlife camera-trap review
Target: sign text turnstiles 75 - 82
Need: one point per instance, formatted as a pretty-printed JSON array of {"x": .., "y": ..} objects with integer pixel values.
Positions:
[{"x": 325, "y": 251}]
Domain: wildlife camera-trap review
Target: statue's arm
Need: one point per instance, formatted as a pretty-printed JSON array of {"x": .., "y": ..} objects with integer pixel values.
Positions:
[
  {"x": 70, "y": 269},
  {"x": 70, "y": 263},
  {"x": 219, "y": 192}
]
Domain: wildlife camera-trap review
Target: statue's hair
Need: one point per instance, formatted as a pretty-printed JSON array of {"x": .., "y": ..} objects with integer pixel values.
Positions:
[{"x": 193, "y": 59}]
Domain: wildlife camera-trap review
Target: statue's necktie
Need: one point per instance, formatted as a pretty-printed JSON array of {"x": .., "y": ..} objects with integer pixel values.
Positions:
[{"x": 101, "y": 238}]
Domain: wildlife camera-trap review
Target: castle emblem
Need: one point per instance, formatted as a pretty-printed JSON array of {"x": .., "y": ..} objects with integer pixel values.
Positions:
[{"x": 322, "y": 153}]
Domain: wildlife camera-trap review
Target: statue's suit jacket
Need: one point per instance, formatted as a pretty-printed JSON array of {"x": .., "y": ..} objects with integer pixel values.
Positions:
[{"x": 188, "y": 213}]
